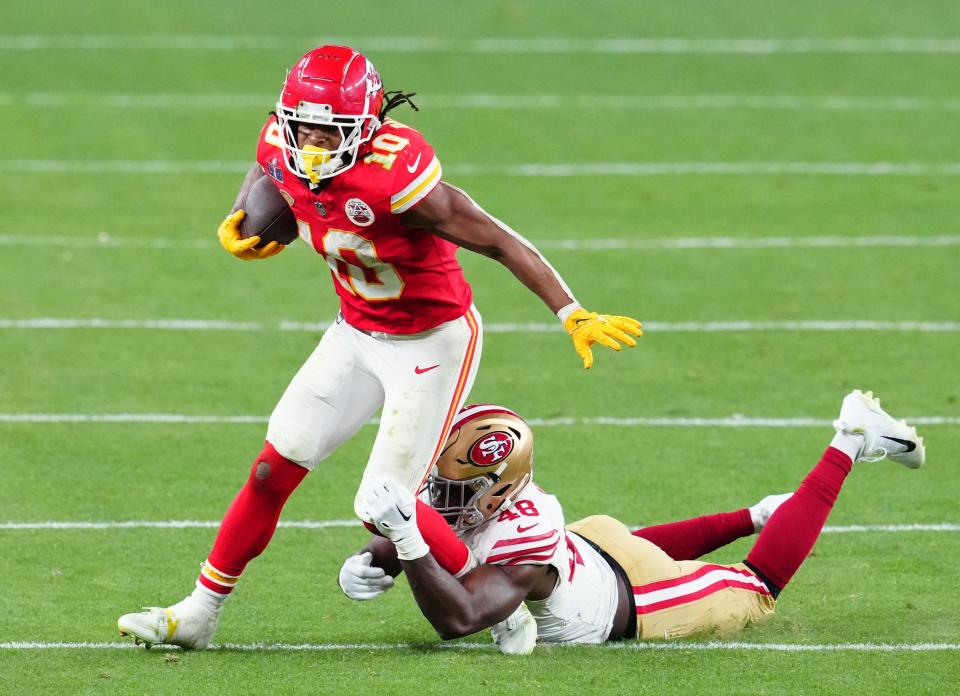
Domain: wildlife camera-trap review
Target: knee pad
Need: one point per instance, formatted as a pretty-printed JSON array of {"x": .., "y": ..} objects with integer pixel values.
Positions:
[
  {"x": 297, "y": 444},
  {"x": 272, "y": 473},
  {"x": 358, "y": 507}
]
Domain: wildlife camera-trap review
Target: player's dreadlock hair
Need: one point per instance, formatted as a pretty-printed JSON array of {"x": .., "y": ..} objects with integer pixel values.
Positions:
[{"x": 391, "y": 100}]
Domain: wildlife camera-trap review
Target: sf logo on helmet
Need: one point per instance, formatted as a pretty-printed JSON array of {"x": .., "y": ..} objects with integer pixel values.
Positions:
[{"x": 491, "y": 449}]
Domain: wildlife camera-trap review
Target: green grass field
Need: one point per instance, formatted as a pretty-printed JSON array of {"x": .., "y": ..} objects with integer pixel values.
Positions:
[{"x": 825, "y": 168}]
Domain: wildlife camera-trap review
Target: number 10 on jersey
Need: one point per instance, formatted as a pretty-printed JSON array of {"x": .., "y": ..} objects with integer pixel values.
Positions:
[{"x": 354, "y": 262}]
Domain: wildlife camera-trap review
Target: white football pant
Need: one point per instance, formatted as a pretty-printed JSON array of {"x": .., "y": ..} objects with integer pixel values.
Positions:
[{"x": 419, "y": 380}]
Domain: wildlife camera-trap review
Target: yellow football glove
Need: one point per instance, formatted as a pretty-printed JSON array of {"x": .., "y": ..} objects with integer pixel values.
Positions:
[
  {"x": 587, "y": 328},
  {"x": 230, "y": 239}
]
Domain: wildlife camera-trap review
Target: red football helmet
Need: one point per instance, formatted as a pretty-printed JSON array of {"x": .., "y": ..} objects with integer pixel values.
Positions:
[
  {"x": 485, "y": 464},
  {"x": 334, "y": 86}
]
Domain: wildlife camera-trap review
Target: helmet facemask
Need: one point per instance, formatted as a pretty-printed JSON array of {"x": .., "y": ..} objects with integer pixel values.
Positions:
[
  {"x": 315, "y": 163},
  {"x": 468, "y": 503},
  {"x": 485, "y": 465}
]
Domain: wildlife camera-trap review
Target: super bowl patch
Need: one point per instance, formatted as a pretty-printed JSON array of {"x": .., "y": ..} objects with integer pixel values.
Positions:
[{"x": 275, "y": 170}]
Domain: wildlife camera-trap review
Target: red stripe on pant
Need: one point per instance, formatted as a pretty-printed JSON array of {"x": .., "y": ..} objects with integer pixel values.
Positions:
[
  {"x": 683, "y": 579},
  {"x": 700, "y": 594}
]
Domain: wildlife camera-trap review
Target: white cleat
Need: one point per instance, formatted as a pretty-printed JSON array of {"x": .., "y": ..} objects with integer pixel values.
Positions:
[
  {"x": 516, "y": 634},
  {"x": 883, "y": 437},
  {"x": 183, "y": 624},
  {"x": 761, "y": 512}
]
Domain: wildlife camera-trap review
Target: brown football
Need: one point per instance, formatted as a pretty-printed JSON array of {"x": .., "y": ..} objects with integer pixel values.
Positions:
[{"x": 267, "y": 214}]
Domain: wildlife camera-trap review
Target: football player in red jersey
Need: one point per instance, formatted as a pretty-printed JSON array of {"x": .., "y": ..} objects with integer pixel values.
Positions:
[
  {"x": 594, "y": 580},
  {"x": 369, "y": 197}
]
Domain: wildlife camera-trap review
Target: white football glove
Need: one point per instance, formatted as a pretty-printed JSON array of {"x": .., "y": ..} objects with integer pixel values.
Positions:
[
  {"x": 360, "y": 580},
  {"x": 516, "y": 634},
  {"x": 393, "y": 509}
]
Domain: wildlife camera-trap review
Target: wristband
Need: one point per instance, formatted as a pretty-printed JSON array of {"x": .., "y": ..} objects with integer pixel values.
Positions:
[
  {"x": 412, "y": 546},
  {"x": 564, "y": 312}
]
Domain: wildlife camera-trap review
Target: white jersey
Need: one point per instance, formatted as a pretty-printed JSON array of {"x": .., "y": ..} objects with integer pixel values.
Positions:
[{"x": 532, "y": 531}]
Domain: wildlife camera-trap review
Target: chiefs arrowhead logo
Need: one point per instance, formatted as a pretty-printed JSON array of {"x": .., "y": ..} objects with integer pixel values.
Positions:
[
  {"x": 491, "y": 449},
  {"x": 359, "y": 212}
]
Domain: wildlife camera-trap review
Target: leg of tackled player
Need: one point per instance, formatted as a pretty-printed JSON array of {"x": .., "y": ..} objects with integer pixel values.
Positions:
[{"x": 865, "y": 433}]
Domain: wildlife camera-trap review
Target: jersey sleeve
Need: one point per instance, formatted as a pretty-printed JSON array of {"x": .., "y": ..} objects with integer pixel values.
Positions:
[
  {"x": 418, "y": 170},
  {"x": 268, "y": 147},
  {"x": 530, "y": 532}
]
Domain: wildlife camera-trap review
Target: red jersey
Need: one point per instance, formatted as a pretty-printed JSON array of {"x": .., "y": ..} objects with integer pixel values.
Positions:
[{"x": 389, "y": 278}]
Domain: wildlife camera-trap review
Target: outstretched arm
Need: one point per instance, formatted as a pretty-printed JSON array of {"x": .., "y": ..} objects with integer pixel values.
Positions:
[{"x": 451, "y": 214}]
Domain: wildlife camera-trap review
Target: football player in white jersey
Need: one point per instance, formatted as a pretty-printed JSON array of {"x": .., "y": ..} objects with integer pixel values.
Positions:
[{"x": 594, "y": 580}]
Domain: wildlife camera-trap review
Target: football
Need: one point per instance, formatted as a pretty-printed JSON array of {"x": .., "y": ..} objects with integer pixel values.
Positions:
[{"x": 267, "y": 214}]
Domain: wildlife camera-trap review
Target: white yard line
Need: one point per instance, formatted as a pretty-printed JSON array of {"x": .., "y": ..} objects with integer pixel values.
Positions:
[
  {"x": 763, "y": 102},
  {"x": 545, "y": 170},
  {"x": 500, "y": 45},
  {"x": 540, "y": 170},
  {"x": 63, "y": 323},
  {"x": 106, "y": 240},
  {"x": 734, "y": 421},
  {"x": 619, "y": 645},
  {"x": 159, "y": 324},
  {"x": 336, "y": 524}
]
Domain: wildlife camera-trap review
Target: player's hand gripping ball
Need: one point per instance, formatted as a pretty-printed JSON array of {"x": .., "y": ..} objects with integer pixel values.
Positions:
[
  {"x": 244, "y": 249},
  {"x": 261, "y": 227},
  {"x": 268, "y": 215}
]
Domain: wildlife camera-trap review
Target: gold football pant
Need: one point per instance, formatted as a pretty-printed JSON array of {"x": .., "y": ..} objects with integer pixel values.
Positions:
[{"x": 674, "y": 599}]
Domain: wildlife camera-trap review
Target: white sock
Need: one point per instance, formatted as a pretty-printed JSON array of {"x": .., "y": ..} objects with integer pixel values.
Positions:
[
  {"x": 850, "y": 445},
  {"x": 207, "y": 599}
]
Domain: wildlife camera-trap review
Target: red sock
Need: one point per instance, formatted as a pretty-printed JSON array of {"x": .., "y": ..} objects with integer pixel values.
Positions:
[
  {"x": 792, "y": 530},
  {"x": 445, "y": 546},
  {"x": 689, "y": 539},
  {"x": 251, "y": 519}
]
